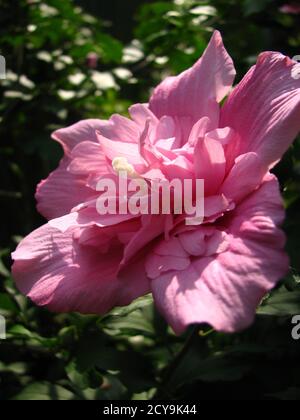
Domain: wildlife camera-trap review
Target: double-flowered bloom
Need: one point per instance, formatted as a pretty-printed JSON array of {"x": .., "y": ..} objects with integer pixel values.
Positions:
[{"x": 216, "y": 272}]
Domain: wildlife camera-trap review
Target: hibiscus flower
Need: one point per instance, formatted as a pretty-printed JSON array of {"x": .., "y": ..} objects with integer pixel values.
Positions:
[{"x": 216, "y": 272}]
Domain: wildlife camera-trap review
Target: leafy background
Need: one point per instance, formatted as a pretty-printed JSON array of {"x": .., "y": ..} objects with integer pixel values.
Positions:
[{"x": 52, "y": 81}]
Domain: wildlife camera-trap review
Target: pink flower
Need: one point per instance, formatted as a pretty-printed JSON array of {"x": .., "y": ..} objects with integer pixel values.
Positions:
[
  {"x": 292, "y": 8},
  {"x": 216, "y": 272},
  {"x": 92, "y": 60}
]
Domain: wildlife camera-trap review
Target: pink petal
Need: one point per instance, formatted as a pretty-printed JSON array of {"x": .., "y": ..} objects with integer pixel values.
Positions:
[
  {"x": 53, "y": 269},
  {"x": 171, "y": 247},
  {"x": 265, "y": 207},
  {"x": 120, "y": 129},
  {"x": 165, "y": 147},
  {"x": 223, "y": 135},
  {"x": 224, "y": 290},
  {"x": 197, "y": 91},
  {"x": 204, "y": 241},
  {"x": 167, "y": 255},
  {"x": 88, "y": 216},
  {"x": 199, "y": 130},
  {"x": 86, "y": 158},
  {"x": 210, "y": 164},
  {"x": 140, "y": 113},
  {"x": 156, "y": 265},
  {"x": 166, "y": 128},
  {"x": 152, "y": 227},
  {"x": 61, "y": 191},
  {"x": 179, "y": 168},
  {"x": 244, "y": 177},
  {"x": 113, "y": 149},
  {"x": 216, "y": 205},
  {"x": 194, "y": 242},
  {"x": 264, "y": 108},
  {"x": 84, "y": 130}
]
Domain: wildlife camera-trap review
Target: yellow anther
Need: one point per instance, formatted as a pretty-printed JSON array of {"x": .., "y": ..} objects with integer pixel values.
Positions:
[{"x": 120, "y": 164}]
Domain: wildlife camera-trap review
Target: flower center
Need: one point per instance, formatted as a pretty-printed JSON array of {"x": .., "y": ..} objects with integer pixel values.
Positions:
[{"x": 121, "y": 164}]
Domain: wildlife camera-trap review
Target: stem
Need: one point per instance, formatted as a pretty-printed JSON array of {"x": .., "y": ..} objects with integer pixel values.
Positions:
[{"x": 176, "y": 362}]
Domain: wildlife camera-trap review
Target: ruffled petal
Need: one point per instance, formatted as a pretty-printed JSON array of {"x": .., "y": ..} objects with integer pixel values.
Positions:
[
  {"x": 88, "y": 158},
  {"x": 71, "y": 136},
  {"x": 264, "y": 109},
  {"x": 224, "y": 290},
  {"x": 61, "y": 191},
  {"x": 53, "y": 269},
  {"x": 196, "y": 92}
]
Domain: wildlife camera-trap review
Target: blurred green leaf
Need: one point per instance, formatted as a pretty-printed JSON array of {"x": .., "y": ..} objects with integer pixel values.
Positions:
[
  {"x": 7, "y": 303},
  {"x": 291, "y": 394},
  {"x": 281, "y": 303},
  {"x": 255, "y": 6},
  {"x": 213, "y": 369},
  {"x": 43, "y": 391}
]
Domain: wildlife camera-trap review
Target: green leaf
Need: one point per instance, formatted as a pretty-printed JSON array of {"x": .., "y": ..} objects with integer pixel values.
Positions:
[
  {"x": 290, "y": 394},
  {"x": 255, "y": 6},
  {"x": 111, "y": 48},
  {"x": 212, "y": 369},
  {"x": 21, "y": 331},
  {"x": 83, "y": 379},
  {"x": 44, "y": 391},
  {"x": 281, "y": 303},
  {"x": 135, "y": 305},
  {"x": 7, "y": 303},
  {"x": 134, "y": 321}
]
